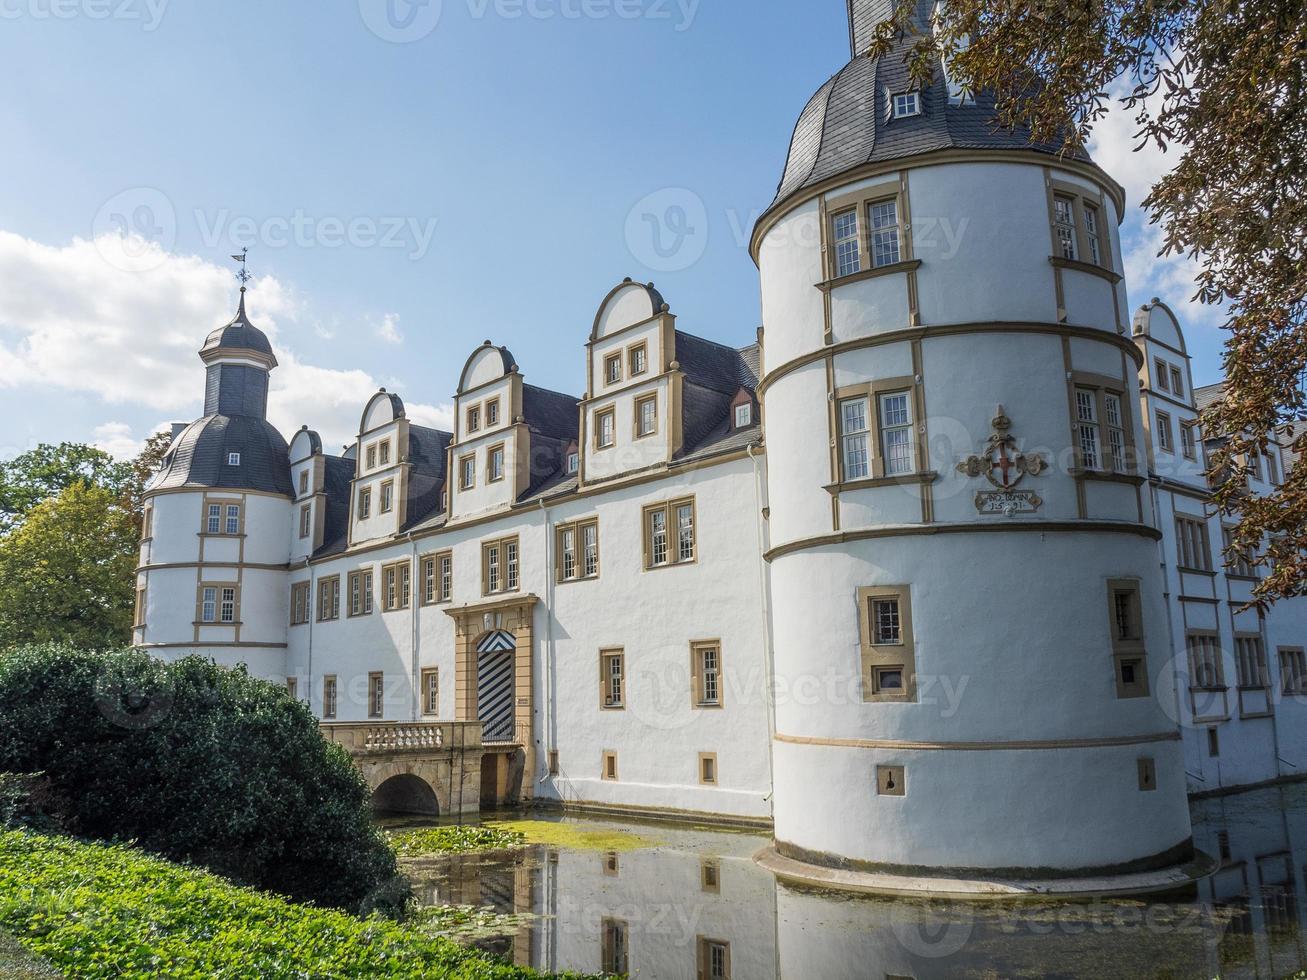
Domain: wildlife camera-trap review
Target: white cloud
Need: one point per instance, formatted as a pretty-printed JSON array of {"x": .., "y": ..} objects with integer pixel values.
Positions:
[
  {"x": 121, "y": 319},
  {"x": 1173, "y": 278},
  {"x": 388, "y": 329},
  {"x": 116, "y": 439}
]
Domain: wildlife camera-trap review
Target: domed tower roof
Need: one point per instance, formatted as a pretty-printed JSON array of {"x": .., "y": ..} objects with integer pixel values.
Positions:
[
  {"x": 848, "y": 123},
  {"x": 239, "y": 335}
]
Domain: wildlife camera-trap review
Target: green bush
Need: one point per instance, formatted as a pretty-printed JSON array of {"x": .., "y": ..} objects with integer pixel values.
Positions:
[
  {"x": 199, "y": 764},
  {"x": 112, "y": 913}
]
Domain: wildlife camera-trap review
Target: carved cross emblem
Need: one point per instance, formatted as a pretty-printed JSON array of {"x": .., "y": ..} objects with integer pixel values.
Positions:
[{"x": 1000, "y": 461}]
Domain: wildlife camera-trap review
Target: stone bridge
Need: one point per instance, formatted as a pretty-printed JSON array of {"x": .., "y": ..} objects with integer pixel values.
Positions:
[{"x": 438, "y": 768}]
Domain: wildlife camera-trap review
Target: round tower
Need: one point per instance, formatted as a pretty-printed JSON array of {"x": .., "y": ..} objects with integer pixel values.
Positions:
[
  {"x": 971, "y": 641},
  {"x": 217, "y": 519}
]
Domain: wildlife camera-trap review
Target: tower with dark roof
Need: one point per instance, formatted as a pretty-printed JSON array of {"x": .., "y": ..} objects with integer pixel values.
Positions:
[{"x": 956, "y": 502}]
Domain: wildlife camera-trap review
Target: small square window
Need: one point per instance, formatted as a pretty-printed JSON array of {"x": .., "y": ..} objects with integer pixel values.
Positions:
[
  {"x": 889, "y": 680},
  {"x": 710, "y": 875},
  {"x": 610, "y": 766},
  {"x": 573, "y": 463},
  {"x": 907, "y": 104},
  {"x": 708, "y": 768},
  {"x": 887, "y": 626},
  {"x": 743, "y": 416},
  {"x": 233, "y": 459}
]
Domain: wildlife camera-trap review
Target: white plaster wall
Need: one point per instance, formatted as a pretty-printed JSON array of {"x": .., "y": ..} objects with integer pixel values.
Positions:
[
  {"x": 650, "y": 335},
  {"x": 790, "y": 262},
  {"x": 629, "y": 454},
  {"x": 796, "y": 407}
]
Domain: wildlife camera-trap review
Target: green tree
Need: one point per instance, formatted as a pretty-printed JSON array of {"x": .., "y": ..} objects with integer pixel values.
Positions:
[
  {"x": 66, "y": 572},
  {"x": 48, "y": 470},
  {"x": 1222, "y": 83}
]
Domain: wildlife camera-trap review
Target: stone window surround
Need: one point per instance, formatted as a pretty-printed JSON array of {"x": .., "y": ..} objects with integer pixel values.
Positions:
[
  {"x": 578, "y": 528},
  {"x": 881, "y": 656},
  {"x": 861, "y": 201},
  {"x": 872, "y": 392},
  {"x": 1129, "y": 649}
]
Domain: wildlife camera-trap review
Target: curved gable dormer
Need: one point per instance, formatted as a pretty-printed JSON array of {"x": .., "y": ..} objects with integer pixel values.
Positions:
[
  {"x": 307, "y": 477},
  {"x": 627, "y": 304},
  {"x": 381, "y": 469},
  {"x": 487, "y": 364},
  {"x": 382, "y": 409},
  {"x": 1158, "y": 321}
]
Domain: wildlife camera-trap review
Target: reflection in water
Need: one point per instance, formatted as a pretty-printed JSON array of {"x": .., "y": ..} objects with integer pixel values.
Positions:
[{"x": 698, "y": 907}]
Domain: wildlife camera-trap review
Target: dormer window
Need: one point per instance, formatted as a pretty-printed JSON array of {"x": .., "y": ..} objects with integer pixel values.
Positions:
[
  {"x": 372, "y": 457},
  {"x": 612, "y": 369},
  {"x": 492, "y": 412},
  {"x": 743, "y": 416},
  {"x": 384, "y": 453},
  {"x": 639, "y": 359},
  {"x": 233, "y": 459},
  {"x": 907, "y": 104},
  {"x": 474, "y": 418},
  {"x": 573, "y": 463}
]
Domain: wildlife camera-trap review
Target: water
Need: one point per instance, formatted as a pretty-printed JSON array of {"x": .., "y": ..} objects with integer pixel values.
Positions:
[{"x": 696, "y": 906}]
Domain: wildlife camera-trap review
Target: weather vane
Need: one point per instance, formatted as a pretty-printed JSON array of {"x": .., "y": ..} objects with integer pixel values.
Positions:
[{"x": 244, "y": 275}]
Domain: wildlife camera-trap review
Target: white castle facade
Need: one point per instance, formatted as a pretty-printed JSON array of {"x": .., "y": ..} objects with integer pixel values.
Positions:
[{"x": 926, "y": 579}]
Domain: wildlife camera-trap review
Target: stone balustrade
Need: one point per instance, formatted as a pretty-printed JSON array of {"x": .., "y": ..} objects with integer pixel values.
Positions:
[{"x": 399, "y": 738}]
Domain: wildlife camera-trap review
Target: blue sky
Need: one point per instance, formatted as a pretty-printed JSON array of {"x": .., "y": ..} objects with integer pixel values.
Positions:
[{"x": 403, "y": 199}]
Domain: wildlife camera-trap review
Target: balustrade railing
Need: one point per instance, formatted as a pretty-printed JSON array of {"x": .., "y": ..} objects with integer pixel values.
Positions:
[{"x": 402, "y": 737}]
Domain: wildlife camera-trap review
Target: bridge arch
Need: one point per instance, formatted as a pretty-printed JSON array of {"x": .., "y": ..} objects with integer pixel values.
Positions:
[{"x": 409, "y": 788}]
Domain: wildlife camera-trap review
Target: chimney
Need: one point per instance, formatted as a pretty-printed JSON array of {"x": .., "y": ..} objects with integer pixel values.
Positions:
[{"x": 866, "y": 15}]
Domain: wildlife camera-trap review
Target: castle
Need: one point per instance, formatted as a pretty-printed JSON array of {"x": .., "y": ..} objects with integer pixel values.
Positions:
[{"x": 926, "y": 579}]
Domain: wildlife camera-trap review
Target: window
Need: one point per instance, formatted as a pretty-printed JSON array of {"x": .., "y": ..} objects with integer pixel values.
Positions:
[
  {"x": 706, "y": 674},
  {"x": 714, "y": 959},
  {"x": 304, "y": 482},
  {"x": 612, "y": 369},
  {"x": 708, "y": 768},
  {"x": 1236, "y": 562},
  {"x": 1193, "y": 544},
  {"x": 431, "y": 691},
  {"x": 573, "y": 463},
  {"x": 896, "y": 434},
  {"x": 299, "y": 603},
  {"x": 376, "y": 695},
  {"x": 1293, "y": 670},
  {"x": 906, "y": 104},
  {"x": 1115, "y": 431},
  {"x": 384, "y": 452},
  {"x": 306, "y": 520},
  {"x": 1250, "y": 653},
  {"x": 578, "y": 550},
  {"x": 887, "y": 644},
  {"x": 660, "y": 521},
  {"x": 1177, "y": 386},
  {"x": 646, "y": 416},
  {"x": 1255, "y": 466},
  {"x": 467, "y": 472},
  {"x": 365, "y": 503},
  {"x": 710, "y": 875},
  {"x": 217, "y": 604},
  {"x": 1064, "y": 226},
  {"x": 371, "y": 457},
  {"x": 1187, "y": 445},
  {"x": 293, "y": 687},
  {"x": 437, "y": 572},
  {"x": 884, "y": 221},
  {"x": 387, "y": 496},
  {"x": 639, "y": 359},
  {"x": 222, "y": 518},
  {"x": 609, "y": 766},
  {"x": 233, "y": 525},
  {"x": 1091, "y": 235},
  {"x": 147, "y": 528},
  {"x": 1161, "y": 374},
  {"x": 395, "y": 586},
  {"x": 474, "y": 419},
  {"x": 499, "y": 566},
  {"x": 233, "y": 459},
  {"x": 1213, "y": 743},
  {"x": 495, "y": 464},
  {"x": 605, "y": 428},
  {"x": 1164, "y": 435},
  {"x": 1128, "y": 652},
  {"x": 329, "y": 697},
  {"x": 329, "y": 598},
  {"x": 848, "y": 259},
  {"x": 1087, "y": 427},
  {"x": 612, "y": 679},
  {"x": 360, "y": 593},
  {"x": 138, "y": 617},
  {"x": 616, "y": 947},
  {"x": 853, "y": 439},
  {"x": 492, "y": 412},
  {"x": 744, "y": 415},
  {"x": 1206, "y": 671}
]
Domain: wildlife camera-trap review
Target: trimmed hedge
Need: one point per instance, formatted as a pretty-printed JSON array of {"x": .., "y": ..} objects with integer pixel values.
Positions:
[
  {"x": 199, "y": 764},
  {"x": 104, "y": 912}
]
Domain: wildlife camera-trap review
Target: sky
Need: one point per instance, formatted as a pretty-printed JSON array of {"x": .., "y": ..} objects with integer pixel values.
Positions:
[{"x": 410, "y": 179}]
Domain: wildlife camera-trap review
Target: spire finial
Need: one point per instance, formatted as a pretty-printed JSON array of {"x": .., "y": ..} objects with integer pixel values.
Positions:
[{"x": 244, "y": 275}]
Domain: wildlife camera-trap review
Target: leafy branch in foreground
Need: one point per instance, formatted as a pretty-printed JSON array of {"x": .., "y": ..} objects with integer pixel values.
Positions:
[{"x": 1221, "y": 82}]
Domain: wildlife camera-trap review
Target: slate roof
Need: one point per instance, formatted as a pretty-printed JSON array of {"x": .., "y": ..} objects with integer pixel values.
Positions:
[
  {"x": 239, "y": 334},
  {"x": 197, "y": 458},
  {"x": 338, "y": 473},
  {"x": 715, "y": 366},
  {"x": 550, "y": 413},
  {"x": 846, "y": 123},
  {"x": 1208, "y": 395}
]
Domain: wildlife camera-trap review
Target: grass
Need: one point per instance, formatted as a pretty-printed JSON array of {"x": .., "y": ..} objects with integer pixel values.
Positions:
[
  {"x": 17, "y": 963},
  {"x": 97, "y": 911},
  {"x": 453, "y": 840},
  {"x": 577, "y": 836}
]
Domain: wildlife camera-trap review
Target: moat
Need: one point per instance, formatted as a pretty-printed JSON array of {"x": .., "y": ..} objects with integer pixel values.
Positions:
[{"x": 684, "y": 901}]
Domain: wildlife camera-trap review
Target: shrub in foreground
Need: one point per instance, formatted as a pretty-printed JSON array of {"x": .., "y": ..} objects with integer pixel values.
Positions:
[
  {"x": 197, "y": 763},
  {"x": 96, "y": 911}
]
